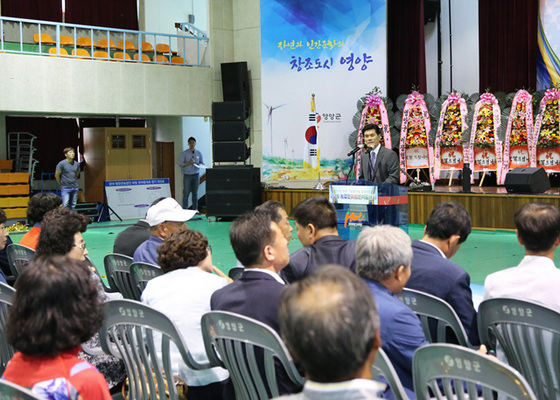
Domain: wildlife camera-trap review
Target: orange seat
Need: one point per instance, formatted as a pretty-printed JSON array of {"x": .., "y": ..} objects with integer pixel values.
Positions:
[
  {"x": 161, "y": 59},
  {"x": 104, "y": 43},
  {"x": 66, "y": 40},
  {"x": 147, "y": 46},
  {"x": 84, "y": 41},
  {"x": 80, "y": 53},
  {"x": 145, "y": 57},
  {"x": 121, "y": 56},
  {"x": 52, "y": 52},
  {"x": 100, "y": 54},
  {"x": 45, "y": 38},
  {"x": 164, "y": 48},
  {"x": 177, "y": 60},
  {"x": 126, "y": 45}
]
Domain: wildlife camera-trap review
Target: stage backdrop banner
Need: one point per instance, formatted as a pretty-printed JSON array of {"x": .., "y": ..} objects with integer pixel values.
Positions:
[
  {"x": 318, "y": 59},
  {"x": 548, "y": 64},
  {"x": 131, "y": 199}
]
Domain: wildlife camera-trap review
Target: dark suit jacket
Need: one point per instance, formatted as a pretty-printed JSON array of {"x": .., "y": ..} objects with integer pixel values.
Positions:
[
  {"x": 440, "y": 277},
  {"x": 386, "y": 169}
]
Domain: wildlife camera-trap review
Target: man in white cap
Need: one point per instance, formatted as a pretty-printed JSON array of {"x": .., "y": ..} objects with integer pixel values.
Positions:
[{"x": 164, "y": 217}]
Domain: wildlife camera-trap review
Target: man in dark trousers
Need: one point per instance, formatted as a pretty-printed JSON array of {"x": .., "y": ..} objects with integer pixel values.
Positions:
[{"x": 385, "y": 161}]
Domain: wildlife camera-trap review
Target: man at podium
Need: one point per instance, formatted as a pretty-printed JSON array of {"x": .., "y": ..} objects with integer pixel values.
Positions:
[{"x": 379, "y": 164}]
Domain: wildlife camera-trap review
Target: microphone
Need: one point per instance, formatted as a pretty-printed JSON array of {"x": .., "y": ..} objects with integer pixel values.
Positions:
[{"x": 356, "y": 149}]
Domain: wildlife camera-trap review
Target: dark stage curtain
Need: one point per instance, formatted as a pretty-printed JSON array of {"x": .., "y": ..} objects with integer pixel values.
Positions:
[
  {"x": 406, "y": 56},
  {"x": 46, "y": 10},
  {"x": 508, "y": 44},
  {"x": 120, "y": 14}
]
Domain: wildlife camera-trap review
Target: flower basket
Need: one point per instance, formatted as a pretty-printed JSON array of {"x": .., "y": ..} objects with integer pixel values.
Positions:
[{"x": 547, "y": 132}]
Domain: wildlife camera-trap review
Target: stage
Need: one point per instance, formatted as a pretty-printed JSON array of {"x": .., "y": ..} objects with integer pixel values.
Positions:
[{"x": 491, "y": 207}]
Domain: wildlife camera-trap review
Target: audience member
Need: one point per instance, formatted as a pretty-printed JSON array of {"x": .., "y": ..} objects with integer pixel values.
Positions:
[
  {"x": 447, "y": 228},
  {"x": 165, "y": 217},
  {"x": 183, "y": 294},
  {"x": 39, "y": 204},
  {"x": 261, "y": 247},
  {"x": 335, "y": 351},
  {"x": 383, "y": 256},
  {"x": 278, "y": 214},
  {"x": 128, "y": 240},
  {"x": 56, "y": 307},
  {"x": 316, "y": 225},
  {"x": 4, "y": 242},
  {"x": 536, "y": 278}
]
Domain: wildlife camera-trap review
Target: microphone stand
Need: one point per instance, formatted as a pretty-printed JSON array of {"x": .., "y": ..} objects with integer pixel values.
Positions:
[{"x": 351, "y": 166}]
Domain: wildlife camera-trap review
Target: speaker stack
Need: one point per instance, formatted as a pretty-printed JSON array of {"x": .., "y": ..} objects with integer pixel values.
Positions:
[{"x": 232, "y": 189}]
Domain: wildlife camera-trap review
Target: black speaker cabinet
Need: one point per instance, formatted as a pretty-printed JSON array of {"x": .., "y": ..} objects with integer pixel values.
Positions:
[
  {"x": 229, "y": 131},
  {"x": 235, "y": 82},
  {"x": 231, "y": 191},
  {"x": 229, "y": 111},
  {"x": 230, "y": 151},
  {"x": 527, "y": 180}
]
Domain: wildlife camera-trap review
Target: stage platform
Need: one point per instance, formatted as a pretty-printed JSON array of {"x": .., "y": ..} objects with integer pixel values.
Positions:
[{"x": 490, "y": 207}]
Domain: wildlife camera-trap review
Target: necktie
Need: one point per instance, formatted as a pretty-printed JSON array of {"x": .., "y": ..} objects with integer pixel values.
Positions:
[{"x": 372, "y": 163}]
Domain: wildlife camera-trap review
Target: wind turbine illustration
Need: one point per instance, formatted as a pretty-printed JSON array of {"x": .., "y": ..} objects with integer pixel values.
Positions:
[
  {"x": 286, "y": 148},
  {"x": 270, "y": 110}
]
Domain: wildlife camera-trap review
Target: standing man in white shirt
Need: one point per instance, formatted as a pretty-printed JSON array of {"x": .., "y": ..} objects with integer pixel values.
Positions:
[{"x": 190, "y": 158}]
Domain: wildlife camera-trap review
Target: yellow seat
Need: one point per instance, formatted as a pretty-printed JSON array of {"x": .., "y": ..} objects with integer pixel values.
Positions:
[
  {"x": 52, "y": 52},
  {"x": 161, "y": 59},
  {"x": 147, "y": 46},
  {"x": 104, "y": 43},
  {"x": 44, "y": 38},
  {"x": 66, "y": 40},
  {"x": 121, "y": 56},
  {"x": 84, "y": 41},
  {"x": 126, "y": 45},
  {"x": 145, "y": 57},
  {"x": 164, "y": 48},
  {"x": 177, "y": 60},
  {"x": 100, "y": 54},
  {"x": 80, "y": 53}
]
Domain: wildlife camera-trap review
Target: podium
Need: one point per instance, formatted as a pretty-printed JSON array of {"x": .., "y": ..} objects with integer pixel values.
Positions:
[{"x": 363, "y": 203}]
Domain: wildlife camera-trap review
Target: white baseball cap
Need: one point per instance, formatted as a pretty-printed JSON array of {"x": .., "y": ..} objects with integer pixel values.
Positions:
[{"x": 168, "y": 210}]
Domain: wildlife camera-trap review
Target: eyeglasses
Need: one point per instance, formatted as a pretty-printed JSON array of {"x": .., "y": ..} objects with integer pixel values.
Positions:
[{"x": 80, "y": 245}]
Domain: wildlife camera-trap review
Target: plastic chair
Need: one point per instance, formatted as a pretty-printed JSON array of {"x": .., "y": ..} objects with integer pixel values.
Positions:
[
  {"x": 461, "y": 369},
  {"x": 81, "y": 53},
  {"x": 177, "y": 60},
  {"x": 100, "y": 54},
  {"x": 164, "y": 49},
  {"x": 43, "y": 38},
  {"x": 106, "y": 43},
  {"x": 18, "y": 257},
  {"x": 117, "y": 268},
  {"x": 128, "y": 330},
  {"x": 384, "y": 368},
  {"x": 147, "y": 47},
  {"x": 84, "y": 41},
  {"x": 427, "y": 307},
  {"x": 53, "y": 53},
  {"x": 66, "y": 40},
  {"x": 126, "y": 45},
  {"x": 235, "y": 272},
  {"x": 9, "y": 390},
  {"x": 140, "y": 274},
  {"x": 121, "y": 56},
  {"x": 94, "y": 269},
  {"x": 145, "y": 57},
  {"x": 161, "y": 59},
  {"x": 232, "y": 340},
  {"x": 6, "y": 350},
  {"x": 529, "y": 336}
]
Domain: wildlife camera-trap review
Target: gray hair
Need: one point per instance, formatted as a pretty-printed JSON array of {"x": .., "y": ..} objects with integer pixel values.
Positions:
[{"x": 380, "y": 250}]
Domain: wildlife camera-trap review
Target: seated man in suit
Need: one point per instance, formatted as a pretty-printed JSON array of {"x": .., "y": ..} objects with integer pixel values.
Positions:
[
  {"x": 317, "y": 230},
  {"x": 447, "y": 228},
  {"x": 385, "y": 161},
  {"x": 278, "y": 214},
  {"x": 536, "y": 278},
  {"x": 336, "y": 352},
  {"x": 383, "y": 255}
]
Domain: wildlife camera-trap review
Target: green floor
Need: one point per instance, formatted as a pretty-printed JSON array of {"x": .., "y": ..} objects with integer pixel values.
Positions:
[{"x": 484, "y": 252}]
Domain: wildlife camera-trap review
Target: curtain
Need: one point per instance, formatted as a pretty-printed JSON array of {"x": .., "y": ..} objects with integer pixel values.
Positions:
[
  {"x": 507, "y": 33},
  {"x": 406, "y": 56},
  {"x": 46, "y": 10},
  {"x": 119, "y": 14}
]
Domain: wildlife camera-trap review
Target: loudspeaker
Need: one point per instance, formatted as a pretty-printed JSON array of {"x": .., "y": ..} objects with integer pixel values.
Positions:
[
  {"x": 229, "y": 111},
  {"x": 229, "y": 131},
  {"x": 231, "y": 191},
  {"x": 431, "y": 10},
  {"x": 527, "y": 180},
  {"x": 235, "y": 82},
  {"x": 230, "y": 152}
]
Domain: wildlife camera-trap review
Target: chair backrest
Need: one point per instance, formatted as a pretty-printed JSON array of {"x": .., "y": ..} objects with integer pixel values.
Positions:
[
  {"x": 162, "y": 48},
  {"x": 81, "y": 53},
  {"x": 121, "y": 56},
  {"x": 44, "y": 38},
  {"x": 18, "y": 257},
  {"x": 6, "y": 351},
  {"x": 145, "y": 57},
  {"x": 529, "y": 336},
  {"x": 53, "y": 53},
  {"x": 147, "y": 46},
  {"x": 126, "y": 45},
  {"x": 140, "y": 274},
  {"x": 427, "y": 307},
  {"x": 9, "y": 390},
  {"x": 238, "y": 343},
  {"x": 235, "y": 272},
  {"x": 117, "y": 268},
  {"x": 100, "y": 54},
  {"x": 161, "y": 59},
  {"x": 177, "y": 60},
  {"x": 94, "y": 269},
  {"x": 104, "y": 43},
  {"x": 461, "y": 370},
  {"x": 85, "y": 41},
  {"x": 128, "y": 329},
  {"x": 384, "y": 368},
  {"x": 66, "y": 40}
]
